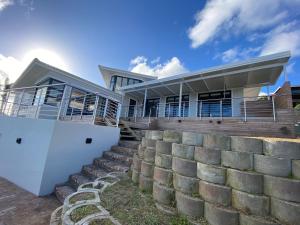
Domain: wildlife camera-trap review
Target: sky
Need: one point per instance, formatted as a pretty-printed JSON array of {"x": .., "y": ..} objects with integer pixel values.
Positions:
[{"x": 156, "y": 37}]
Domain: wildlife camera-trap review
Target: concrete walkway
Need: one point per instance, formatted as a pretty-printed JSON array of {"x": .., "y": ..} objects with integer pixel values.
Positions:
[{"x": 18, "y": 206}]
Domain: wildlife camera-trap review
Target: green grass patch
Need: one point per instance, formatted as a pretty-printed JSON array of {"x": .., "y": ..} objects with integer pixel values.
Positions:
[
  {"x": 81, "y": 197},
  {"x": 83, "y": 211},
  {"x": 131, "y": 207},
  {"x": 102, "y": 222}
]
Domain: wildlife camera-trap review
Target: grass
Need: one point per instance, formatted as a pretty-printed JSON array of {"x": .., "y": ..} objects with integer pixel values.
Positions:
[
  {"x": 83, "y": 211},
  {"x": 109, "y": 179},
  {"x": 102, "y": 222},
  {"x": 81, "y": 197},
  {"x": 131, "y": 207}
]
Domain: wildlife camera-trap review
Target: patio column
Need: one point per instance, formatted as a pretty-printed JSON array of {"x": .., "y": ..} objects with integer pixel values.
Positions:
[
  {"x": 145, "y": 99},
  {"x": 180, "y": 98}
]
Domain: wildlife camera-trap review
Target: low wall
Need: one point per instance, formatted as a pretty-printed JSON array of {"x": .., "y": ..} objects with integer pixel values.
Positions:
[
  {"x": 49, "y": 150},
  {"x": 228, "y": 180}
]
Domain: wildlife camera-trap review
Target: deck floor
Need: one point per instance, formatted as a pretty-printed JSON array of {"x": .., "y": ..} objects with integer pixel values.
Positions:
[{"x": 18, "y": 206}]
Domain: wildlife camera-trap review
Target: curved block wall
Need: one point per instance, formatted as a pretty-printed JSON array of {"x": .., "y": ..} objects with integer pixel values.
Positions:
[{"x": 227, "y": 180}]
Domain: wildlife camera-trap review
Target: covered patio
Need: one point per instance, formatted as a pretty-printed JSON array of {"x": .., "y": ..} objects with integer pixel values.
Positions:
[{"x": 224, "y": 91}]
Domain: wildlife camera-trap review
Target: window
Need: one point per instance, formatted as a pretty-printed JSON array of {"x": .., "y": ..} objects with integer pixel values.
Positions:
[
  {"x": 119, "y": 81},
  {"x": 50, "y": 95},
  {"x": 172, "y": 106},
  {"x": 210, "y": 104}
]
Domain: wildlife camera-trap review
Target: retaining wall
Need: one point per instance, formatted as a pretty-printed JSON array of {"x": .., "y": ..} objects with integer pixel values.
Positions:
[{"x": 228, "y": 180}]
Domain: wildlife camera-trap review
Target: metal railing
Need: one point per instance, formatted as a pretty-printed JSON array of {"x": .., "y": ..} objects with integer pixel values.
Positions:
[
  {"x": 244, "y": 108},
  {"x": 58, "y": 102}
]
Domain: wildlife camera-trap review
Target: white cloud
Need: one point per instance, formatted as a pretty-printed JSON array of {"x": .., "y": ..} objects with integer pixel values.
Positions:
[
  {"x": 290, "y": 68},
  {"x": 11, "y": 66},
  {"x": 283, "y": 41},
  {"x": 5, "y": 3},
  {"x": 237, "y": 54},
  {"x": 232, "y": 16},
  {"x": 170, "y": 67}
]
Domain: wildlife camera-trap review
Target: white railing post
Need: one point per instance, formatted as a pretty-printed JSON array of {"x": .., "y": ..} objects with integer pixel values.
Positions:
[
  {"x": 200, "y": 110},
  {"x": 6, "y": 101},
  {"x": 135, "y": 112},
  {"x": 221, "y": 109},
  {"x": 37, "y": 108},
  {"x": 95, "y": 109},
  {"x": 84, "y": 99},
  {"x": 149, "y": 118},
  {"x": 273, "y": 108},
  {"x": 20, "y": 102},
  {"x": 118, "y": 114},
  {"x": 145, "y": 100},
  {"x": 180, "y": 100},
  {"x": 63, "y": 99},
  {"x": 169, "y": 109},
  {"x": 245, "y": 110},
  {"x": 105, "y": 108}
]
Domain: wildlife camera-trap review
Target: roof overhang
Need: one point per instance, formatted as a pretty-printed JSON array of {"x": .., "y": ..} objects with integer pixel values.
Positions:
[
  {"x": 108, "y": 72},
  {"x": 255, "y": 72},
  {"x": 37, "y": 69}
]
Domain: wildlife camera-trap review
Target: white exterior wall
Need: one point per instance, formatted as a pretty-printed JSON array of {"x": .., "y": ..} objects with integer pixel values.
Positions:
[{"x": 50, "y": 150}]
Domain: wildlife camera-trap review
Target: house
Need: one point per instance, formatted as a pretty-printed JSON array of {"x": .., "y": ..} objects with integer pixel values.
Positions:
[
  {"x": 51, "y": 123},
  {"x": 227, "y": 93}
]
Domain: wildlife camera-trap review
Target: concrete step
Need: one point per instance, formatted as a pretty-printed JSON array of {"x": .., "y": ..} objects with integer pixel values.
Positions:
[
  {"x": 113, "y": 156},
  {"x": 123, "y": 150},
  {"x": 63, "y": 191},
  {"x": 111, "y": 166},
  {"x": 76, "y": 180},
  {"x": 129, "y": 144},
  {"x": 93, "y": 171},
  {"x": 127, "y": 137}
]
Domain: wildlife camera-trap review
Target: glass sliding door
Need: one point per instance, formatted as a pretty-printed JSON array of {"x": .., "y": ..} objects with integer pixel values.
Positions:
[
  {"x": 131, "y": 108},
  {"x": 214, "y": 104},
  {"x": 172, "y": 106},
  {"x": 152, "y": 107}
]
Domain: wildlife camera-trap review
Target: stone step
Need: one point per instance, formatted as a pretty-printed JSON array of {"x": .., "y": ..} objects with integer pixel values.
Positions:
[
  {"x": 129, "y": 144},
  {"x": 111, "y": 166},
  {"x": 63, "y": 191},
  {"x": 76, "y": 180},
  {"x": 127, "y": 137},
  {"x": 113, "y": 156},
  {"x": 93, "y": 171},
  {"x": 123, "y": 150}
]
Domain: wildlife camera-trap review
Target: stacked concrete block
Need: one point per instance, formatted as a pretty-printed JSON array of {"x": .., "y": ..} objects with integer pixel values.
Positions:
[
  {"x": 185, "y": 179},
  {"x": 137, "y": 161},
  {"x": 147, "y": 163},
  {"x": 163, "y": 191},
  {"x": 228, "y": 180}
]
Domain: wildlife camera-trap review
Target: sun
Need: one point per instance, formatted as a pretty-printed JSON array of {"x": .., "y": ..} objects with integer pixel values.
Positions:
[{"x": 47, "y": 56}]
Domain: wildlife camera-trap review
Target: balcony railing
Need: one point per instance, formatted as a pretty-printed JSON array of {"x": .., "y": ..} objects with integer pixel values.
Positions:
[
  {"x": 246, "y": 108},
  {"x": 55, "y": 102}
]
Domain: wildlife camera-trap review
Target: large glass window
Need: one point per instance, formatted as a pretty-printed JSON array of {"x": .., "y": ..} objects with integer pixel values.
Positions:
[
  {"x": 119, "y": 81},
  {"x": 81, "y": 102},
  {"x": 214, "y": 104},
  {"x": 49, "y": 95},
  {"x": 172, "y": 106}
]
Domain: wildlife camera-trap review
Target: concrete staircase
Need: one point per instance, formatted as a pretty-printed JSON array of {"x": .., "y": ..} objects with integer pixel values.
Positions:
[
  {"x": 118, "y": 159},
  {"x": 128, "y": 132}
]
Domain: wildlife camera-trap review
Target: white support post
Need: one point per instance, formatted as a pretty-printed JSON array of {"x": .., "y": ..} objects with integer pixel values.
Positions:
[
  {"x": 180, "y": 99},
  {"x": 95, "y": 109},
  {"x": 145, "y": 100},
  {"x": 200, "y": 110},
  {"x": 273, "y": 108},
  {"x": 169, "y": 109},
  {"x": 37, "y": 107},
  {"x": 6, "y": 101}
]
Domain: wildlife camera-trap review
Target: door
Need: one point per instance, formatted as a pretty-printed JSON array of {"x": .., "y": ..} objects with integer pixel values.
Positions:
[
  {"x": 152, "y": 107},
  {"x": 131, "y": 108}
]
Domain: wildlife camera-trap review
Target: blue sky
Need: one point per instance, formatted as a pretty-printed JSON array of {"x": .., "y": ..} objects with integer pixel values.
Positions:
[{"x": 153, "y": 37}]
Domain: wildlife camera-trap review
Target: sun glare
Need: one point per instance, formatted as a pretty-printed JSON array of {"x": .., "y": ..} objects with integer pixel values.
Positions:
[{"x": 46, "y": 56}]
